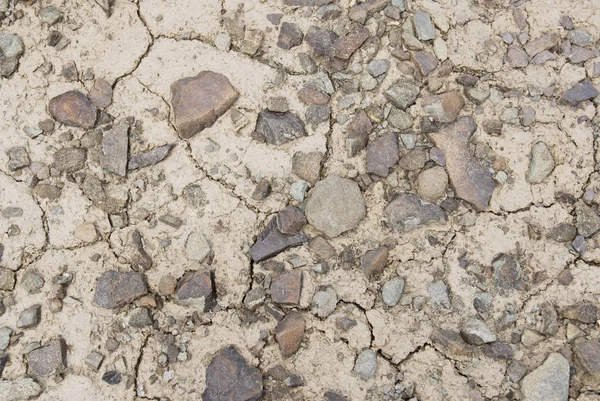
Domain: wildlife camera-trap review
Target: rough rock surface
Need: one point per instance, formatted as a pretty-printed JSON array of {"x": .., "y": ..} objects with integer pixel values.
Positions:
[
  {"x": 549, "y": 382},
  {"x": 73, "y": 109},
  {"x": 200, "y": 100},
  {"x": 229, "y": 378}
]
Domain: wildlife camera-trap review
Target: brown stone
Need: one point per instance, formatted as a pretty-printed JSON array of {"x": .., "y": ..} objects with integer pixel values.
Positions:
[
  {"x": 425, "y": 61},
  {"x": 407, "y": 212},
  {"x": 115, "y": 289},
  {"x": 444, "y": 108},
  {"x": 73, "y": 109},
  {"x": 271, "y": 242},
  {"x": 307, "y": 166},
  {"x": 149, "y": 158},
  {"x": 312, "y": 96},
  {"x": 452, "y": 342},
  {"x": 373, "y": 261},
  {"x": 286, "y": 288},
  {"x": 289, "y": 333},
  {"x": 290, "y": 35},
  {"x": 199, "y": 101},
  {"x": 382, "y": 154},
  {"x": 357, "y": 133},
  {"x": 516, "y": 58},
  {"x": 320, "y": 40},
  {"x": 49, "y": 360},
  {"x": 230, "y": 378},
  {"x": 470, "y": 180},
  {"x": 196, "y": 289},
  {"x": 584, "y": 312},
  {"x": 278, "y": 128},
  {"x": 345, "y": 46},
  {"x": 290, "y": 220},
  {"x": 101, "y": 93}
]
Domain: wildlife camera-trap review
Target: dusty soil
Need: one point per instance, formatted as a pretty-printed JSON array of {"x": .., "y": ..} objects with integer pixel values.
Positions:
[{"x": 482, "y": 284}]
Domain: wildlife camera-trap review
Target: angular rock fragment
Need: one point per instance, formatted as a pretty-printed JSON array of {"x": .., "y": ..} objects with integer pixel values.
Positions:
[
  {"x": 475, "y": 332},
  {"x": 438, "y": 293},
  {"x": 549, "y": 322},
  {"x": 197, "y": 246},
  {"x": 563, "y": 232},
  {"x": 542, "y": 43},
  {"x": 549, "y": 382},
  {"x": 470, "y": 180},
  {"x": 18, "y": 158},
  {"x": 49, "y": 360},
  {"x": 345, "y": 46},
  {"x": 588, "y": 355},
  {"x": 112, "y": 377},
  {"x": 94, "y": 360},
  {"x": 580, "y": 92},
  {"x": 357, "y": 133},
  {"x": 199, "y": 101},
  {"x": 335, "y": 206},
  {"x": 70, "y": 159},
  {"x": 402, "y": 94},
  {"x": 101, "y": 93},
  {"x": 452, "y": 342},
  {"x": 30, "y": 317},
  {"x": 290, "y": 35},
  {"x": 316, "y": 115},
  {"x": 373, "y": 261},
  {"x": 516, "y": 58},
  {"x": 279, "y": 128},
  {"x": 286, "y": 288},
  {"x": 115, "y": 148},
  {"x": 116, "y": 289},
  {"x": 254, "y": 298},
  {"x": 320, "y": 40},
  {"x": 73, "y": 109},
  {"x": 272, "y": 241},
  {"x": 307, "y": 166},
  {"x": 377, "y": 68},
  {"x": 498, "y": 350},
  {"x": 252, "y": 40},
  {"x": 313, "y": 96},
  {"x": 423, "y": 25},
  {"x": 289, "y": 333},
  {"x": 382, "y": 154},
  {"x": 425, "y": 61},
  {"x": 507, "y": 271},
  {"x": 196, "y": 289},
  {"x": 542, "y": 163},
  {"x": 290, "y": 220},
  {"x": 21, "y": 388},
  {"x": 587, "y": 220},
  {"x": 230, "y": 378},
  {"x": 11, "y": 50},
  {"x": 407, "y": 212},
  {"x": 584, "y": 312},
  {"x": 149, "y": 158},
  {"x": 444, "y": 108}
]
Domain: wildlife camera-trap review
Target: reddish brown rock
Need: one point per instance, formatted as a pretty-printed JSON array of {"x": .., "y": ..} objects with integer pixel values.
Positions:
[
  {"x": 101, "y": 93},
  {"x": 425, "y": 61},
  {"x": 290, "y": 220},
  {"x": 585, "y": 312},
  {"x": 73, "y": 109},
  {"x": 286, "y": 288},
  {"x": 230, "y": 378},
  {"x": 272, "y": 241},
  {"x": 382, "y": 154},
  {"x": 307, "y": 166},
  {"x": 196, "y": 289},
  {"x": 345, "y": 46},
  {"x": 444, "y": 108},
  {"x": 199, "y": 101},
  {"x": 289, "y": 333},
  {"x": 312, "y": 96},
  {"x": 290, "y": 35},
  {"x": 470, "y": 180},
  {"x": 374, "y": 261}
]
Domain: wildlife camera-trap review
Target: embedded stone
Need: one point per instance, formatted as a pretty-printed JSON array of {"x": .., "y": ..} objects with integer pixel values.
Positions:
[
  {"x": 116, "y": 289},
  {"x": 72, "y": 108},
  {"x": 279, "y": 128},
  {"x": 289, "y": 333},
  {"x": 230, "y": 378},
  {"x": 407, "y": 212}
]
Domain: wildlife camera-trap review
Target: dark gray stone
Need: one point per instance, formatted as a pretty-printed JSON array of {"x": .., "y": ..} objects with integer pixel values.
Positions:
[
  {"x": 115, "y": 148},
  {"x": 382, "y": 154},
  {"x": 271, "y": 241},
  {"x": 407, "y": 212},
  {"x": 49, "y": 360},
  {"x": 290, "y": 35},
  {"x": 580, "y": 92},
  {"x": 230, "y": 378},
  {"x": 116, "y": 289},
  {"x": 70, "y": 159},
  {"x": 149, "y": 158},
  {"x": 279, "y": 128}
]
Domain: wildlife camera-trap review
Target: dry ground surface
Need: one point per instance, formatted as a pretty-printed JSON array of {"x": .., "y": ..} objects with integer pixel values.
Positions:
[{"x": 299, "y": 200}]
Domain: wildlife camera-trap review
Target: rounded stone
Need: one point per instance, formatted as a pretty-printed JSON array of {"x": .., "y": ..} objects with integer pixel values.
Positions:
[{"x": 335, "y": 206}]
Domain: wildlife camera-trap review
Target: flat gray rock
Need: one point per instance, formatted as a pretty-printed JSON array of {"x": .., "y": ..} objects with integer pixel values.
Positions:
[
  {"x": 22, "y": 388},
  {"x": 116, "y": 289},
  {"x": 366, "y": 364},
  {"x": 408, "y": 212},
  {"x": 335, "y": 206},
  {"x": 549, "y": 382},
  {"x": 423, "y": 25},
  {"x": 115, "y": 148},
  {"x": 271, "y": 241},
  {"x": 542, "y": 163},
  {"x": 279, "y": 128},
  {"x": 475, "y": 332},
  {"x": 49, "y": 360},
  {"x": 580, "y": 92}
]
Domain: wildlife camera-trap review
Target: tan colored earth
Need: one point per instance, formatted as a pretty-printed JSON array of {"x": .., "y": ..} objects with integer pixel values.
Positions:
[{"x": 502, "y": 229}]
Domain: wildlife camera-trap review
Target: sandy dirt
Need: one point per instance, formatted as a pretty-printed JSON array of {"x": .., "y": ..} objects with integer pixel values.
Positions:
[{"x": 497, "y": 246}]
